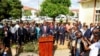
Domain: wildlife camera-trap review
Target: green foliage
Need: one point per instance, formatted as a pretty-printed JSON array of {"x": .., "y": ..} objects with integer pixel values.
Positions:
[
  {"x": 31, "y": 47},
  {"x": 37, "y": 13},
  {"x": 53, "y": 8},
  {"x": 62, "y": 2},
  {"x": 71, "y": 13},
  {"x": 27, "y": 12},
  {"x": 3, "y": 9},
  {"x": 10, "y": 9}
]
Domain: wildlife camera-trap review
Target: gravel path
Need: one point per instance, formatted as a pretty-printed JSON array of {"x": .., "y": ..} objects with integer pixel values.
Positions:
[
  {"x": 64, "y": 52},
  {"x": 28, "y": 54}
]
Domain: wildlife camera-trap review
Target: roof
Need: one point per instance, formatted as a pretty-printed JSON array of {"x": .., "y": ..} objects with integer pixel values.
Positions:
[
  {"x": 29, "y": 8},
  {"x": 80, "y": 1}
]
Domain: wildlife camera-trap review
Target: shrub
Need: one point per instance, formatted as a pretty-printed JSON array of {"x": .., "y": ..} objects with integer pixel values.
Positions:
[{"x": 31, "y": 47}]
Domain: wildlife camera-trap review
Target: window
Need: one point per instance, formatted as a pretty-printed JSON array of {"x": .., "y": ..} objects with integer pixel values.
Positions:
[
  {"x": 97, "y": 16},
  {"x": 98, "y": 11}
]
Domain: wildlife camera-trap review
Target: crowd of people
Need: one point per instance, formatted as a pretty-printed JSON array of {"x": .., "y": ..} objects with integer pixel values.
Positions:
[{"x": 84, "y": 39}]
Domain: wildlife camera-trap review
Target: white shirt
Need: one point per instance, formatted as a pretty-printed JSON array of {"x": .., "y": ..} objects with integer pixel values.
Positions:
[
  {"x": 5, "y": 33},
  {"x": 83, "y": 31},
  {"x": 16, "y": 26},
  {"x": 92, "y": 28},
  {"x": 12, "y": 29},
  {"x": 91, "y": 38},
  {"x": 44, "y": 28},
  {"x": 98, "y": 44},
  {"x": 94, "y": 50}
]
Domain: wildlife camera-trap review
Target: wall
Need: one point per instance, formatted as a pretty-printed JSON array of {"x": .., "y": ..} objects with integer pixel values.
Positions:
[
  {"x": 86, "y": 12},
  {"x": 76, "y": 13},
  {"x": 98, "y": 5}
]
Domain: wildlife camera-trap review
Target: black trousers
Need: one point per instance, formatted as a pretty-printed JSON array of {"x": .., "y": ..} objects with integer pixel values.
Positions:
[
  {"x": 62, "y": 39},
  {"x": 56, "y": 36},
  {"x": 21, "y": 39},
  {"x": 27, "y": 38},
  {"x": 33, "y": 37},
  {"x": 13, "y": 38},
  {"x": 6, "y": 41}
]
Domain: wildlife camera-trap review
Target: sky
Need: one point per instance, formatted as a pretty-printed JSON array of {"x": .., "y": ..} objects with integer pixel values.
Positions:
[
  {"x": 36, "y": 3},
  {"x": 75, "y": 4}
]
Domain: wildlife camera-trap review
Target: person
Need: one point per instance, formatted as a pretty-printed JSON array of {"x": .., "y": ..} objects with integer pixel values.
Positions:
[
  {"x": 86, "y": 32},
  {"x": 73, "y": 39},
  {"x": 21, "y": 34},
  {"x": 84, "y": 24},
  {"x": 13, "y": 31},
  {"x": 56, "y": 33},
  {"x": 93, "y": 31},
  {"x": 27, "y": 28},
  {"x": 98, "y": 46},
  {"x": 94, "y": 50},
  {"x": 16, "y": 25},
  {"x": 79, "y": 49},
  {"x": 92, "y": 26},
  {"x": 6, "y": 40},
  {"x": 44, "y": 29},
  {"x": 67, "y": 31},
  {"x": 1, "y": 49},
  {"x": 51, "y": 29},
  {"x": 98, "y": 26},
  {"x": 79, "y": 25},
  {"x": 62, "y": 34},
  {"x": 6, "y": 25},
  {"x": 37, "y": 31},
  {"x": 32, "y": 31}
]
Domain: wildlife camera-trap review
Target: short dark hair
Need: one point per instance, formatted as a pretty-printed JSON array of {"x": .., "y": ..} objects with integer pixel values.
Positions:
[
  {"x": 85, "y": 26},
  {"x": 78, "y": 33},
  {"x": 21, "y": 22},
  {"x": 96, "y": 33}
]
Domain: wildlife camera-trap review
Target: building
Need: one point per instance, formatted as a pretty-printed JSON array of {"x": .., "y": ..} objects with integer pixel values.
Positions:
[
  {"x": 89, "y": 11},
  {"x": 33, "y": 12},
  {"x": 76, "y": 13}
]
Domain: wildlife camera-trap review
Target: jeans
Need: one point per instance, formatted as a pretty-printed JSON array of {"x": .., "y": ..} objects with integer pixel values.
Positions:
[{"x": 77, "y": 52}]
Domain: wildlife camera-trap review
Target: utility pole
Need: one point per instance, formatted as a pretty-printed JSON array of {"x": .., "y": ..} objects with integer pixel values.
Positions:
[{"x": 94, "y": 13}]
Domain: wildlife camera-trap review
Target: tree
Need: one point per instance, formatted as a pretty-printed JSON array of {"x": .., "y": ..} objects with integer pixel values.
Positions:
[
  {"x": 27, "y": 12},
  {"x": 10, "y": 9},
  {"x": 3, "y": 9},
  {"x": 62, "y": 2},
  {"x": 16, "y": 8},
  {"x": 37, "y": 13},
  {"x": 53, "y": 8},
  {"x": 71, "y": 13}
]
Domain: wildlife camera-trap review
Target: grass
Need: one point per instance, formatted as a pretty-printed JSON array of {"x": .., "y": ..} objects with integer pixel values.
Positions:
[
  {"x": 14, "y": 46},
  {"x": 31, "y": 47},
  {"x": 27, "y": 47}
]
